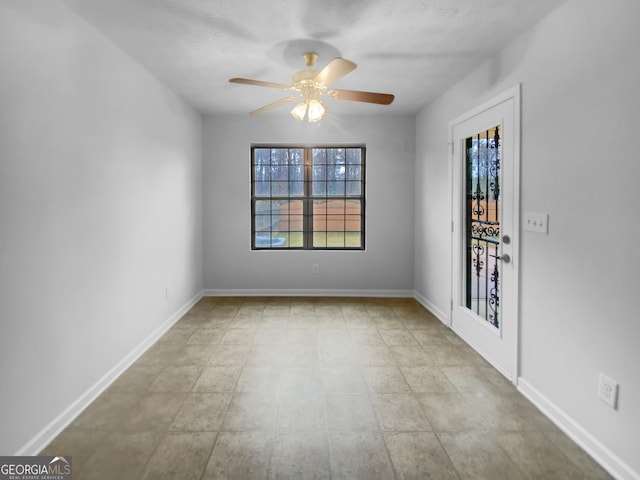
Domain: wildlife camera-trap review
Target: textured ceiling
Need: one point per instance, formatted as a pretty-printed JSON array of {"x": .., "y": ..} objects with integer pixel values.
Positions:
[{"x": 414, "y": 49}]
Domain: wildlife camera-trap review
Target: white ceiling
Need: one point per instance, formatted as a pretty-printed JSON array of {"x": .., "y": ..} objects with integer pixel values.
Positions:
[{"x": 414, "y": 49}]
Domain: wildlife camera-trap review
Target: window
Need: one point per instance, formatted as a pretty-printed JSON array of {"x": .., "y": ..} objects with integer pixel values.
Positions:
[{"x": 307, "y": 197}]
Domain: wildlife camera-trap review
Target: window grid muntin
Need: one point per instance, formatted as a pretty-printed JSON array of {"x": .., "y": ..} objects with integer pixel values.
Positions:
[{"x": 354, "y": 160}]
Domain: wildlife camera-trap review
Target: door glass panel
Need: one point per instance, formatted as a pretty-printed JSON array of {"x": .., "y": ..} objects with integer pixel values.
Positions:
[{"x": 482, "y": 218}]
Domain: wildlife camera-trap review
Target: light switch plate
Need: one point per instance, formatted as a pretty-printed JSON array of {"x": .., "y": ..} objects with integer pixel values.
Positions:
[{"x": 536, "y": 222}]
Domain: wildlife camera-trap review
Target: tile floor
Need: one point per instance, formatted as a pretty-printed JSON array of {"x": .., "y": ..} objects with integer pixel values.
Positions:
[{"x": 315, "y": 388}]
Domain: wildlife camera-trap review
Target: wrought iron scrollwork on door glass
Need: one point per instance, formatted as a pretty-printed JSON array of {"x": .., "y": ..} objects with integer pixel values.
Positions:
[{"x": 482, "y": 212}]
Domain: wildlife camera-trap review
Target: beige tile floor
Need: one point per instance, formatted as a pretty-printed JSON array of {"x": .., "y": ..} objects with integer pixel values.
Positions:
[{"x": 315, "y": 388}]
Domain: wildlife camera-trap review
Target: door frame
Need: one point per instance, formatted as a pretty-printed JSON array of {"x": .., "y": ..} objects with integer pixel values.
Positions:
[{"x": 513, "y": 94}]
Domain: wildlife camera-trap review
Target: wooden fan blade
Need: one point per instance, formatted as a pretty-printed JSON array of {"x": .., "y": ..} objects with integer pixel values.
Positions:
[
  {"x": 356, "y": 96},
  {"x": 278, "y": 103},
  {"x": 259, "y": 83},
  {"x": 337, "y": 68}
]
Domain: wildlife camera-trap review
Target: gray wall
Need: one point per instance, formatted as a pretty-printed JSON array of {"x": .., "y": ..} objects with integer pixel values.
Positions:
[
  {"x": 100, "y": 210},
  {"x": 580, "y": 72},
  {"x": 387, "y": 264}
]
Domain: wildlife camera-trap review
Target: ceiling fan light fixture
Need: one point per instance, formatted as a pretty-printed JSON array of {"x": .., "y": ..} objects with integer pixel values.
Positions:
[
  {"x": 309, "y": 85},
  {"x": 299, "y": 111},
  {"x": 317, "y": 110}
]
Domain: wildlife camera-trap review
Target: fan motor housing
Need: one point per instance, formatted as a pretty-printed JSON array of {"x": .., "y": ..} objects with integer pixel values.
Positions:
[{"x": 304, "y": 75}]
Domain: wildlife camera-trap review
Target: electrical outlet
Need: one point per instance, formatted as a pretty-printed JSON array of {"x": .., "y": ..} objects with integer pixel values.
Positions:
[
  {"x": 166, "y": 292},
  {"x": 315, "y": 268},
  {"x": 536, "y": 222},
  {"x": 608, "y": 391}
]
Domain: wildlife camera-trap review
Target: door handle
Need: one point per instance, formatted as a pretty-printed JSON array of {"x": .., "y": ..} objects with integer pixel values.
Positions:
[
  {"x": 505, "y": 257},
  {"x": 506, "y": 239}
]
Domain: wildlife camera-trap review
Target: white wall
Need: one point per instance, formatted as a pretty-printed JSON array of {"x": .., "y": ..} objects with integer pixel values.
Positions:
[
  {"x": 580, "y": 72},
  {"x": 387, "y": 264},
  {"x": 100, "y": 209}
]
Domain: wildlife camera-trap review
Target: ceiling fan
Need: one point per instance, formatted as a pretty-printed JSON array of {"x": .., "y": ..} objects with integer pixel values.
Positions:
[{"x": 310, "y": 85}]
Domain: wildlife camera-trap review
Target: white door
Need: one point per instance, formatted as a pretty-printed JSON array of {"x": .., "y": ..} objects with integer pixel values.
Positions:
[{"x": 485, "y": 179}]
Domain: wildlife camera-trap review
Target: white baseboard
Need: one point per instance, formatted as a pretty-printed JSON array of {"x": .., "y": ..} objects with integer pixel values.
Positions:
[
  {"x": 601, "y": 454},
  {"x": 58, "y": 424},
  {"x": 307, "y": 293},
  {"x": 605, "y": 457},
  {"x": 439, "y": 314}
]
